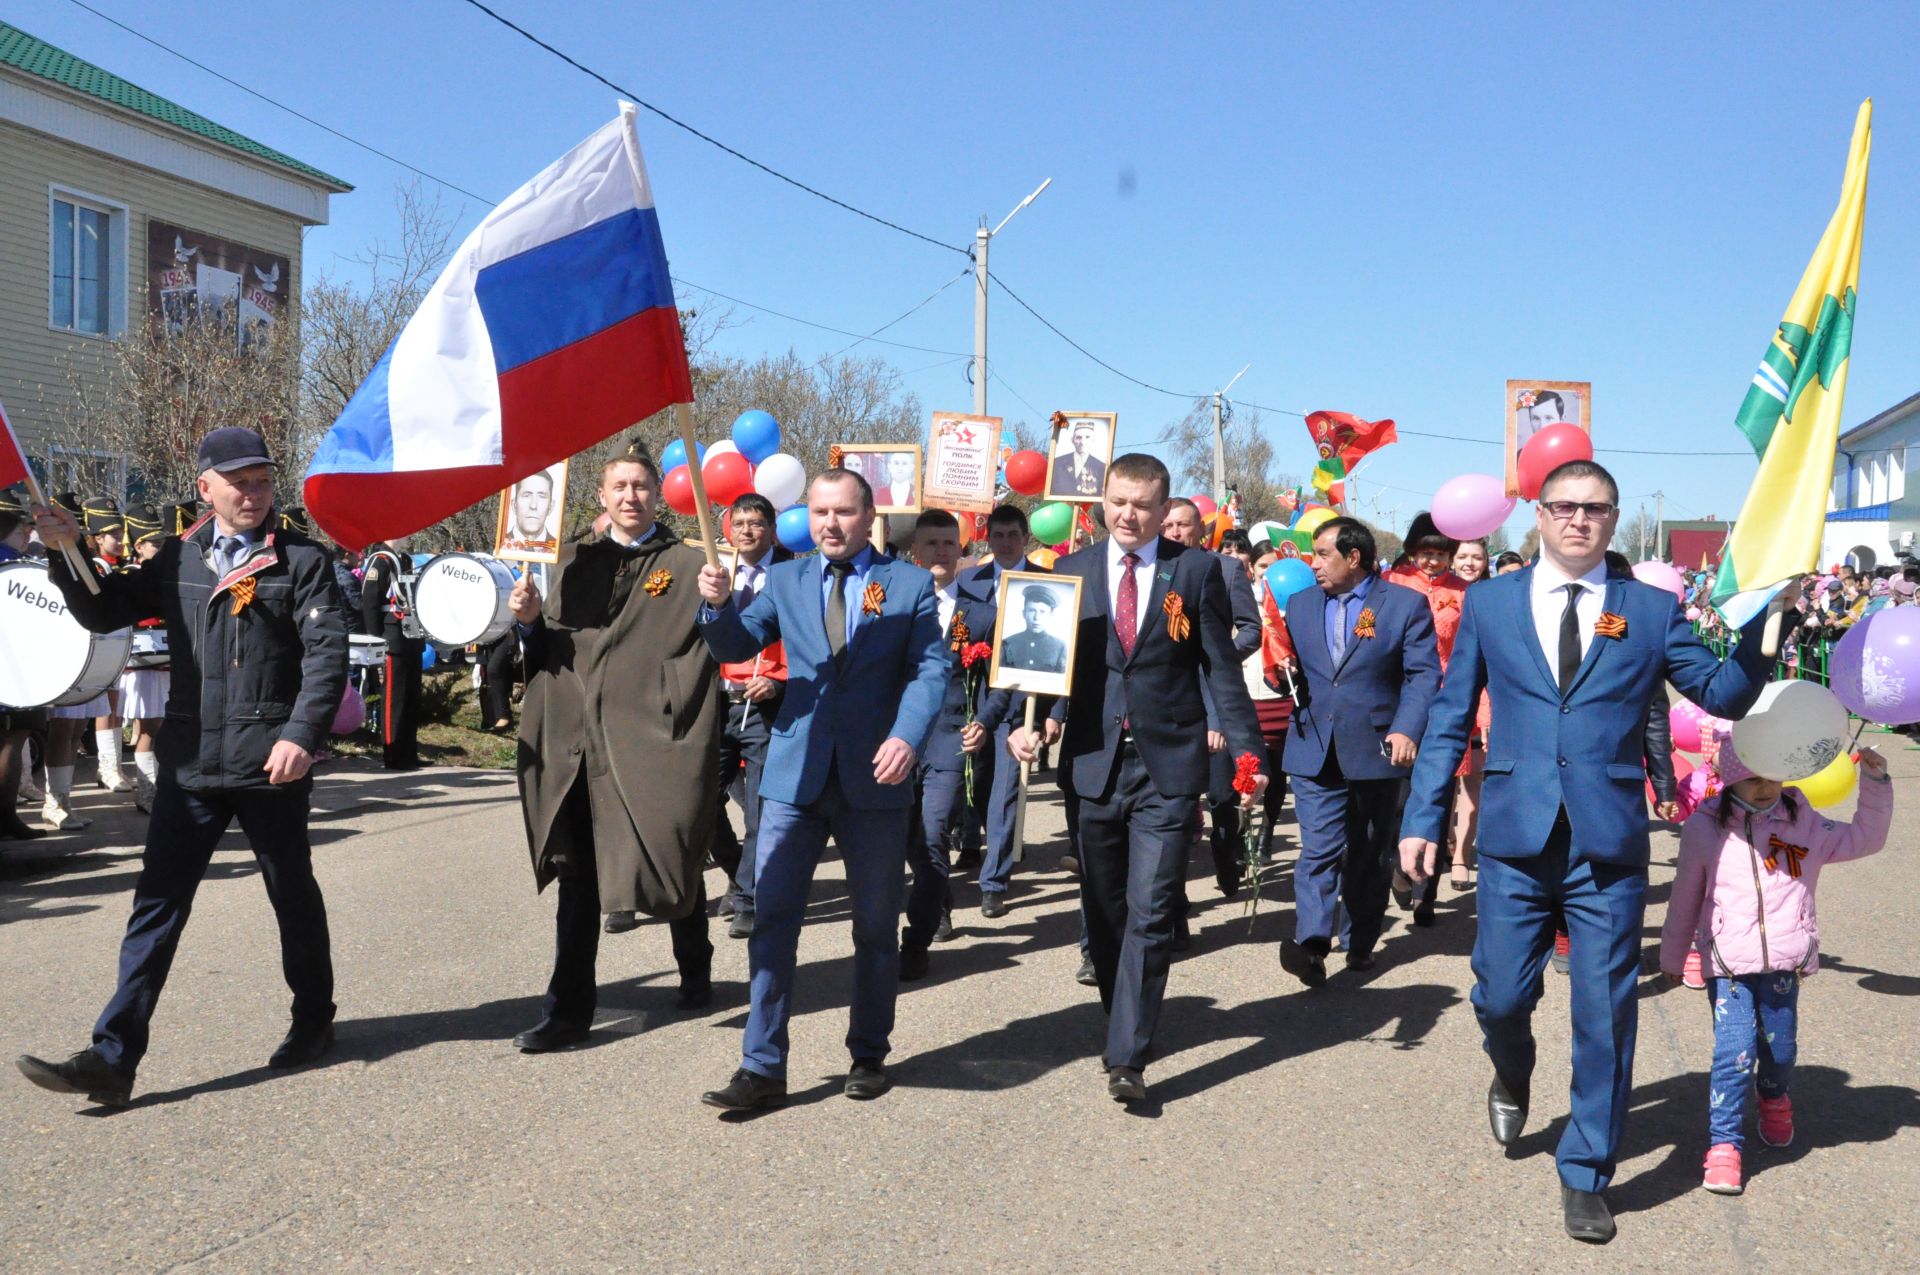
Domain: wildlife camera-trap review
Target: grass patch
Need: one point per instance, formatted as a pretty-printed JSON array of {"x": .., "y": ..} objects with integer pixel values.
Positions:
[{"x": 450, "y": 727}]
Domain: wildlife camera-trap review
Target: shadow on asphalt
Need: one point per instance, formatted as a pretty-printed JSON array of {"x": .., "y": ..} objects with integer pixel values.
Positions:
[{"x": 1829, "y": 1112}]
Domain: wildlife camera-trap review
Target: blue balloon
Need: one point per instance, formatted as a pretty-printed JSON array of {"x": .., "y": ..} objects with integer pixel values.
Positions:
[
  {"x": 792, "y": 529},
  {"x": 1287, "y": 577},
  {"x": 756, "y": 434},
  {"x": 428, "y": 656},
  {"x": 674, "y": 455}
]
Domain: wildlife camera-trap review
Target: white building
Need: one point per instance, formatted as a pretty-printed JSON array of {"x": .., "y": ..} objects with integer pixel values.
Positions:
[{"x": 1872, "y": 516}]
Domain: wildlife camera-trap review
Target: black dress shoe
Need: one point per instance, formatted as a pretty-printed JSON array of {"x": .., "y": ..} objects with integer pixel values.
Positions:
[
  {"x": 1588, "y": 1217},
  {"x": 968, "y": 859},
  {"x": 621, "y": 922},
  {"x": 1182, "y": 935},
  {"x": 86, "y": 1072},
  {"x": 1126, "y": 1084},
  {"x": 1360, "y": 962},
  {"x": 747, "y": 1091},
  {"x": 1087, "y": 976},
  {"x": 305, "y": 1043},
  {"x": 11, "y": 825},
  {"x": 993, "y": 904},
  {"x": 726, "y": 907},
  {"x": 1423, "y": 914},
  {"x": 694, "y": 994},
  {"x": 741, "y": 924},
  {"x": 913, "y": 964},
  {"x": 1506, "y": 1110},
  {"x": 1309, "y": 967},
  {"x": 943, "y": 933},
  {"x": 866, "y": 1079},
  {"x": 548, "y": 1035}
]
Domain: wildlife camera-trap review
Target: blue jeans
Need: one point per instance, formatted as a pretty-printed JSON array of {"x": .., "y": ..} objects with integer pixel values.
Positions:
[
  {"x": 1754, "y": 1017},
  {"x": 792, "y": 839},
  {"x": 938, "y": 793}
]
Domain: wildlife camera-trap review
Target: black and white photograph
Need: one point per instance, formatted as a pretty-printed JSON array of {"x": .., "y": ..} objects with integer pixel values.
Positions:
[
  {"x": 1033, "y": 633},
  {"x": 1534, "y": 405},
  {"x": 891, "y": 469},
  {"x": 530, "y": 514},
  {"x": 1081, "y": 447}
]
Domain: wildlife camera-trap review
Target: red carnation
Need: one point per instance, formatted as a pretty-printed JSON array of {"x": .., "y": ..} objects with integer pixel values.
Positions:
[
  {"x": 1246, "y": 768},
  {"x": 974, "y": 653}
]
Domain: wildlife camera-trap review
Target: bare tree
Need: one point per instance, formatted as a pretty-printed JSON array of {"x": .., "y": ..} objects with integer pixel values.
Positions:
[
  {"x": 1530, "y": 544},
  {"x": 1253, "y": 468},
  {"x": 1635, "y": 536},
  {"x": 1497, "y": 542}
]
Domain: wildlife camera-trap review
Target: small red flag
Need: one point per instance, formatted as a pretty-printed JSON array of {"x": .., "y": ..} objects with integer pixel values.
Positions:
[{"x": 13, "y": 461}]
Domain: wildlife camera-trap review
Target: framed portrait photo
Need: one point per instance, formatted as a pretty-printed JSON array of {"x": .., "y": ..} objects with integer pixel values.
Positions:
[
  {"x": 891, "y": 469},
  {"x": 963, "y": 459},
  {"x": 1534, "y": 405},
  {"x": 1078, "y": 455},
  {"x": 528, "y": 529},
  {"x": 1033, "y": 632}
]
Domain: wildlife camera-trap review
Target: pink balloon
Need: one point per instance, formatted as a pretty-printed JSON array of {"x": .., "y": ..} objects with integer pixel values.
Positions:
[
  {"x": 1471, "y": 506},
  {"x": 1684, "y": 720},
  {"x": 351, "y": 715},
  {"x": 1661, "y": 575}
]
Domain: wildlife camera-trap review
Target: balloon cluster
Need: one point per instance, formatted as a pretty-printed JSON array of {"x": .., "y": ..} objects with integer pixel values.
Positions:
[
  {"x": 748, "y": 460},
  {"x": 1473, "y": 505},
  {"x": 1026, "y": 471}
]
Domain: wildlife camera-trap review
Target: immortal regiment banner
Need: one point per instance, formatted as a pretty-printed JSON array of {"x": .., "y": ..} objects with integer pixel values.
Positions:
[
  {"x": 193, "y": 276},
  {"x": 1791, "y": 413},
  {"x": 962, "y": 463},
  {"x": 553, "y": 327},
  {"x": 1342, "y": 440}
]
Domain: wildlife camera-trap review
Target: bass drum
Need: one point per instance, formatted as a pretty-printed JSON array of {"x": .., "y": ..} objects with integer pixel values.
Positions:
[
  {"x": 461, "y": 599},
  {"x": 46, "y": 658}
]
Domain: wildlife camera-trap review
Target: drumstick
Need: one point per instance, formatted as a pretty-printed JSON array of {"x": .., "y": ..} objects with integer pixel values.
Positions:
[
  {"x": 80, "y": 567},
  {"x": 683, "y": 417}
]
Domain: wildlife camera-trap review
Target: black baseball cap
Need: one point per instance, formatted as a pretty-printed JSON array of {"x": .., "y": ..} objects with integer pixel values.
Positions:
[{"x": 231, "y": 448}]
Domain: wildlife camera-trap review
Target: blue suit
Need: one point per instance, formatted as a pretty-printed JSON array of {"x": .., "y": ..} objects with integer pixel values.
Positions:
[
  {"x": 889, "y": 682},
  {"x": 996, "y": 786},
  {"x": 1563, "y": 824},
  {"x": 1346, "y": 792}
]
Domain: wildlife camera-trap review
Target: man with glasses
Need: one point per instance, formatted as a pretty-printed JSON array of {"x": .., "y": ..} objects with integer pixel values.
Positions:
[{"x": 1573, "y": 657}]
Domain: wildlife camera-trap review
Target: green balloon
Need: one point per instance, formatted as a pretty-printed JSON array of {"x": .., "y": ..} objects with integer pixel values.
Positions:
[{"x": 1051, "y": 524}]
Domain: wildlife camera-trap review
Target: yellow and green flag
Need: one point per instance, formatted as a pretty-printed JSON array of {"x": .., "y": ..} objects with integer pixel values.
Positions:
[{"x": 1791, "y": 414}]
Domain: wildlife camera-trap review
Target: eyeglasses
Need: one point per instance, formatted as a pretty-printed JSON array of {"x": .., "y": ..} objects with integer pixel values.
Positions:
[{"x": 1562, "y": 510}]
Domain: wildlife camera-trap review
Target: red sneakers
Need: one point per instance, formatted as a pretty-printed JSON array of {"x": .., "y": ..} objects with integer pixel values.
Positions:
[
  {"x": 1723, "y": 1170},
  {"x": 1776, "y": 1120},
  {"x": 1562, "y": 950},
  {"x": 1693, "y": 976}
]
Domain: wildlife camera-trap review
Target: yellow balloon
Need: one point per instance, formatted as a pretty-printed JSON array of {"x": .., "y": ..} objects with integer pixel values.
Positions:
[
  {"x": 1831, "y": 786},
  {"x": 1312, "y": 520},
  {"x": 1043, "y": 557}
]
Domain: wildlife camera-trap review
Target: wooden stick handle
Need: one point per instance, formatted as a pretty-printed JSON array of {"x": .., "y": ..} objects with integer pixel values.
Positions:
[
  {"x": 1770, "y": 636},
  {"x": 81, "y": 568},
  {"x": 1020, "y": 803},
  {"x": 683, "y": 417}
]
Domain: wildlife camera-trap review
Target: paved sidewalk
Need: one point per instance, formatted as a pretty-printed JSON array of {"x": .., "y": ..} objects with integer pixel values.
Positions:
[{"x": 1337, "y": 1130}]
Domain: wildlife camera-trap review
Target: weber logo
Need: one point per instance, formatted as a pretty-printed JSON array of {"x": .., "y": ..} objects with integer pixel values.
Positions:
[
  {"x": 463, "y": 575},
  {"x": 32, "y": 597}
]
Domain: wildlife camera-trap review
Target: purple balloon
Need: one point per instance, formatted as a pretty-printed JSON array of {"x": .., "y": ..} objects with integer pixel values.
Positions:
[
  {"x": 1661, "y": 576},
  {"x": 1471, "y": 506},
  {"x": 1876, "y": 667}
]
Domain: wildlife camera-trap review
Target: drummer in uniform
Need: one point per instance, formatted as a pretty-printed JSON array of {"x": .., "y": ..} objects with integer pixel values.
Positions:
[
  {"x": 16, "y": 724},
  {"x": 143, "y": 685},
  {"x": 68, "y": 723},
  {"x": 237, "y": 742},
  {"x": 383, "y": 606}
]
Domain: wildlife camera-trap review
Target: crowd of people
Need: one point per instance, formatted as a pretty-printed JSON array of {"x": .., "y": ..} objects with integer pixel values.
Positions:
[{"x": 1453, "y": 712}]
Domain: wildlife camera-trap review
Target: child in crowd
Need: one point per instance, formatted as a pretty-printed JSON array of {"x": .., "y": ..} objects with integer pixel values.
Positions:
[{"x": 1743, "y": 897}]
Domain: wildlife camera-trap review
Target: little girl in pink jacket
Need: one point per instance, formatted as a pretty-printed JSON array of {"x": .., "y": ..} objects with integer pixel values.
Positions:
[{"x": 1743, "y": 897}]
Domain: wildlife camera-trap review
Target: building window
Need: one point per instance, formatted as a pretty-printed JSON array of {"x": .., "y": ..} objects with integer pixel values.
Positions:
[
  {"x": 86, "y": 472},
  {"x": 87, "y": 264}
]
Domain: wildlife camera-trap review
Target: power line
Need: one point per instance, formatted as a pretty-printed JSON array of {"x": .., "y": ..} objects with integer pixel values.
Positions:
[
  {"x": 911, "y": 310},
  {"x": 824, "y": 327},
  {"x": 297, "y": 114},
  {"x": 707, "y": 138},
  {"x": 1045, "y": 322}
]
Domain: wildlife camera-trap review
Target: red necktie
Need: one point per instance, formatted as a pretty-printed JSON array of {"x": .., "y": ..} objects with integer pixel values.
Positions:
[{"x": 1128, "y": 621}]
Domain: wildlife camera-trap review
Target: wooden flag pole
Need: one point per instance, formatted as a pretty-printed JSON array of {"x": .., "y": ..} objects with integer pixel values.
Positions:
[
  {"x": 81, "y": 568},
  {"x": 683, "y": 417},
  {"x": 1770, "y": 636},
  {"x": 1020, "y": 803}
]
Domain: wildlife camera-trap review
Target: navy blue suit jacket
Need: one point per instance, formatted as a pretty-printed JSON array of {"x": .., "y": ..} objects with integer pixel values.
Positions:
[
  {"x": 943, "y": 745},
  {"x": 1583, "y": 751},
  {"x": 1382, "y": 685}
]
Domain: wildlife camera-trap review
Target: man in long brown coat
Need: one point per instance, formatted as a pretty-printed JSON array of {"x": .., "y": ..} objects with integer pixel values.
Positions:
[{"x": 618, "y": 745}]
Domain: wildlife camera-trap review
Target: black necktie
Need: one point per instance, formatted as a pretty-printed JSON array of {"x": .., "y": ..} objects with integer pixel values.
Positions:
[
  {"x": 1570, "y": 638},
  {"x": 837, "y": 607}
]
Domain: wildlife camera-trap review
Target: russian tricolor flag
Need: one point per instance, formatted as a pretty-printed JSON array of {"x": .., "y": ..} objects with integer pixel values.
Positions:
[{"x": 552, "y": 328}]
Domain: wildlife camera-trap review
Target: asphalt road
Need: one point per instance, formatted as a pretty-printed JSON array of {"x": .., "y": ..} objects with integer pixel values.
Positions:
[{"x": 1341, "y": 1129}]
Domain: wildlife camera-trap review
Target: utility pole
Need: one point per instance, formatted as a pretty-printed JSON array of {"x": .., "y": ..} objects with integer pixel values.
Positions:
[
  {"x": 1660, "y": 525},
  {"x": 981, "y": 238},
  {"x": 1220, "y": 440}
]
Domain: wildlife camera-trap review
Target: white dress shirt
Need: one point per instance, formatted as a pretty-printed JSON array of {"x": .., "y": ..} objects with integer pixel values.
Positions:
[
  {"x": 1143, "y": 578},
  {"x": 1550, "y": 603},
  {"x": 995, "y": 571},
  {"x": 748, "y": 579},
  {"x": 948, "y": 598}
]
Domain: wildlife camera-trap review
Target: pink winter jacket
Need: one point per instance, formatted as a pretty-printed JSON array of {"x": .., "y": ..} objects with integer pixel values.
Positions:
[{"x": 1746, "y": 917}]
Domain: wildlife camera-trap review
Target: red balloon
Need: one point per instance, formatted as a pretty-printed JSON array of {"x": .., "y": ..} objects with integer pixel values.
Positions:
[
  {"x": 1205, "y": 505},
  {"x": 726, "y": 525},
  {"x": 677, "y": 489},
  {"x": 1546, "y": 451},
  {"x": 1027, "y": 473},
  {"x": 729, "y": 476}
]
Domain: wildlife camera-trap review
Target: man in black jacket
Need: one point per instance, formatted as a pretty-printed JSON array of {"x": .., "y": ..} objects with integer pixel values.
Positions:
[{"x": 259, "y": 656}]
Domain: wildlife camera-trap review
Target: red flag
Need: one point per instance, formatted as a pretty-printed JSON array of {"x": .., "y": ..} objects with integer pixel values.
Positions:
[
  {"x": 1276, "y": 644},
  {"x": 13, "y": 461},
  {"x": 1345, "y": 438}
]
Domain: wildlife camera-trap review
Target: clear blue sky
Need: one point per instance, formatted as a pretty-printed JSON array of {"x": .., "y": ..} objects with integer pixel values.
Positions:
[{"x": 1387, "y": 210}]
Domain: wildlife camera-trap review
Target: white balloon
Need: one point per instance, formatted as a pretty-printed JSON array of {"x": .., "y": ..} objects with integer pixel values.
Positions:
[
  {"x": 720, "y": 448},
  {"x": 781, "y": 478},
  {"x": 1794, "y": 731}
]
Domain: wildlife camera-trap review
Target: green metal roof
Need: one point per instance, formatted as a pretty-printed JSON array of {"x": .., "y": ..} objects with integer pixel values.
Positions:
[{"x": 34, "y": 56}]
